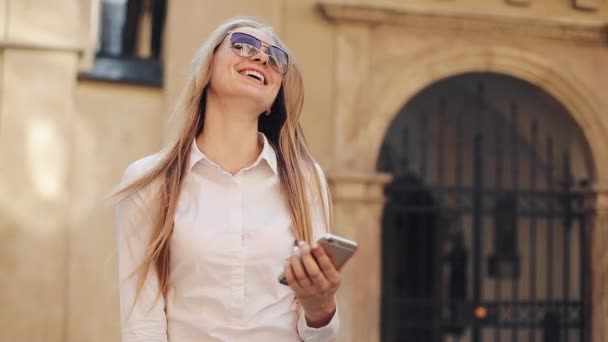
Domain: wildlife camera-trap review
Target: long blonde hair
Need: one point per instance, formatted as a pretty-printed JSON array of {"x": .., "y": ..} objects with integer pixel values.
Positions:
[{"x": 296, "y": 166}]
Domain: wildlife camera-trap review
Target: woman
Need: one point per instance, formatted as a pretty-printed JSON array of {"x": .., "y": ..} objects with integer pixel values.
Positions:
[{"x": 206, "y": 226}]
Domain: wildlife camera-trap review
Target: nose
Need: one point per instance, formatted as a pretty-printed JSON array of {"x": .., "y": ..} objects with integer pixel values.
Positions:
[{"x": 261, "y": 57}]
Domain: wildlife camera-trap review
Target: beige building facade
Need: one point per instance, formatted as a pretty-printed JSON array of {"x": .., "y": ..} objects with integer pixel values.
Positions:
[{"x": 65, "y": 138}]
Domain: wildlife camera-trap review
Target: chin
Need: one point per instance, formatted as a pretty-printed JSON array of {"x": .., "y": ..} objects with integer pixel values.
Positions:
[{"x": 259, "y": 99}]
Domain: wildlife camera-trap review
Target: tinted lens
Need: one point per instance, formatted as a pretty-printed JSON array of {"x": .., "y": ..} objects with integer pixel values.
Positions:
[
  {"x": 278, "y": 59},
  {"x": 244, "y": 44}
]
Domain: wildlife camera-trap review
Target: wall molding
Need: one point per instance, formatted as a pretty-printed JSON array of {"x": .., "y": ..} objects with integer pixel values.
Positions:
[
  {"x": 591, "y": 31},
  {"x": 41, "y": 46},
  {"x": 358, "y": 187}
]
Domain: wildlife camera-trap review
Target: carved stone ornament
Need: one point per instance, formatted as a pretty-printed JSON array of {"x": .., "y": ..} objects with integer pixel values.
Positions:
[
  {"x": 519, "y": 2},
  {"x": 589, "y": 30},
  {"x": 586, "y": 5}
]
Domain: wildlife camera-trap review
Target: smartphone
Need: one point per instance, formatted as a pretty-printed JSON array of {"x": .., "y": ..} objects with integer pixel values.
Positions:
[{"x": 339, "y": 250}]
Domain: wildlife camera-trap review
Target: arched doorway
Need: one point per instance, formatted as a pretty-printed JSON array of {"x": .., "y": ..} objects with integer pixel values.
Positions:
[{"x": 485, "y": 234}]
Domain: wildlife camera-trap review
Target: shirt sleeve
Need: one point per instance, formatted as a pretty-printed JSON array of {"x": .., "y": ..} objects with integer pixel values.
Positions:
[
  {"x": 326, "y": 333},
  {"x": 144, "y": 320}
]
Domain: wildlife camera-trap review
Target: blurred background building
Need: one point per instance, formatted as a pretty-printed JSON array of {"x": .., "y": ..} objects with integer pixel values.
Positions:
[{"x": 465, "y": 142}]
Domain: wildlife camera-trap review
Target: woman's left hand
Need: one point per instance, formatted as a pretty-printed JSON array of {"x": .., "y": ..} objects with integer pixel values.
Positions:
[{"x": 315, "y": 281}]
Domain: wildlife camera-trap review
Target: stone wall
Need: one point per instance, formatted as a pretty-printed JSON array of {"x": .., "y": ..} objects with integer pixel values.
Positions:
[
  {"x": 64, "y": 143},
  {"x": 385, "y": 53},
  {"x": 39, "y": 51},
  {"x": 115, "y": 125}
]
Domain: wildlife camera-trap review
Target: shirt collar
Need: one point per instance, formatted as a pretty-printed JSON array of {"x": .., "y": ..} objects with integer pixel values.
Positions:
[{"x": 268, "y": 154}]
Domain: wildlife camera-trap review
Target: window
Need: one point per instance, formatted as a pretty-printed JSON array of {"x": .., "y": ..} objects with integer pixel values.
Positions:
[{"x": 129, "y": 42}]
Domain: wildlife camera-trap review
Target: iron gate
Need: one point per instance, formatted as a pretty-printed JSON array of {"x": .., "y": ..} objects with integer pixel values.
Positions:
[{"x": 473, "y": 261}]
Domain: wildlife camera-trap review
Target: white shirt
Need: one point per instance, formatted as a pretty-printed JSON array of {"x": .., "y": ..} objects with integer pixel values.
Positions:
[{"x": 231, "y": 238}]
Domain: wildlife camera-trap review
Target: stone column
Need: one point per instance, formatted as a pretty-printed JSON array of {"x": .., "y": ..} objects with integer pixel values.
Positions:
[
  {"x": 358, "y": 201},
  {"x": 39, "y": 51},
  {"x": 353, "y": 48},
  {"x": 358, "y": 198}
]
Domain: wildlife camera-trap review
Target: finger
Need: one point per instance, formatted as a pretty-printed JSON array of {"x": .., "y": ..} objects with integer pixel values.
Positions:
[
  {"x": 312, "y": 268},
  {"x": 291, "y": 279},
  {"x": 325, "y": 264},
  {"x": 299, "y": 272}
]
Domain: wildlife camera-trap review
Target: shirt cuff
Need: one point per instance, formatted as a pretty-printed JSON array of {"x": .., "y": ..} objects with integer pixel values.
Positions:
[{"x": 323, "y": 334}]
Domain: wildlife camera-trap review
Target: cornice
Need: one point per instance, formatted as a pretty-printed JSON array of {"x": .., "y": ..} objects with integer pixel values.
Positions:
[
  {"x": 42, "y": 46},
  {"x": 552, "y": 28}
]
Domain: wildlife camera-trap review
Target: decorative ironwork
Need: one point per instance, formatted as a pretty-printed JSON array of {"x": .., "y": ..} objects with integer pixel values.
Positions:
[
  {"x": 494, "y": 241},
  {"x": 505, "y": 262}
]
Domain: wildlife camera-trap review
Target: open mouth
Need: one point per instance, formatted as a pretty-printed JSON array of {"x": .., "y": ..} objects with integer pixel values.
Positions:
[{"x": 254, "y": 75}]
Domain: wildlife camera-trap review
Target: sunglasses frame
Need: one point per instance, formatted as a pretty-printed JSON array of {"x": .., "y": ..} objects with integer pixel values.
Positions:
[{"x": 262, "y": 44}]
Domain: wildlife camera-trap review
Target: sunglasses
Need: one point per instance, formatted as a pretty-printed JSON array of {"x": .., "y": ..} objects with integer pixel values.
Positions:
[{"x": 246, "y": 45}]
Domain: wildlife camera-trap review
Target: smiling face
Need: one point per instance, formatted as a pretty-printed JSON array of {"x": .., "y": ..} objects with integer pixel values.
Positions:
[{"x": 245, "y": 77}]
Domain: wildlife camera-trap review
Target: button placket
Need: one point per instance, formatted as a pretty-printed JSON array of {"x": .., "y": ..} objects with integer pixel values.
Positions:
[{"x": 236, "y": 229}]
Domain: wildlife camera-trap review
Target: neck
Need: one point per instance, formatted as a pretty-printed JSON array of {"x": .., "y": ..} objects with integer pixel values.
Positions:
[{"x": 230, "y": 134}]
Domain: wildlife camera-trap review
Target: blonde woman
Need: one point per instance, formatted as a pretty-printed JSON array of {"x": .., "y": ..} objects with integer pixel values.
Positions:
[{"x": 206, "y": 226}]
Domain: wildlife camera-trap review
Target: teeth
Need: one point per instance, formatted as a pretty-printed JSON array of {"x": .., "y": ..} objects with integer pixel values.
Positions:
[{"x": 254, "y": 73}]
